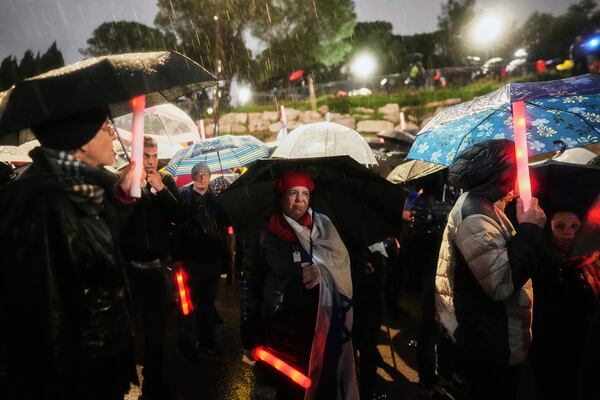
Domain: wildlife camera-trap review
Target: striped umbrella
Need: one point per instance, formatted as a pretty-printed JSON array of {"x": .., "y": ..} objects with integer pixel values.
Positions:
[{"x": 220, "y": 153}]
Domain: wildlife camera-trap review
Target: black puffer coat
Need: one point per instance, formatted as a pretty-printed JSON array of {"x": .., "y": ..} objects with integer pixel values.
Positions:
[
  {"x": 277, "y": 311},
  {"x": 64, "y": 308}
]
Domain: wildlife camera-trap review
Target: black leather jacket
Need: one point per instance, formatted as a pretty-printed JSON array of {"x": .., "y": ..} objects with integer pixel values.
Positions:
[
  {"x": 64, "y": 308},
  {"x": 201, "y": 226},
  {"x": 276, "y": 310},
  {"x": 150, "y": 226}
]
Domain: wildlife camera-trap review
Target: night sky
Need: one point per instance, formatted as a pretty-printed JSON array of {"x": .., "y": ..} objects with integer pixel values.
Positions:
[{"x": 35, "y": 24}]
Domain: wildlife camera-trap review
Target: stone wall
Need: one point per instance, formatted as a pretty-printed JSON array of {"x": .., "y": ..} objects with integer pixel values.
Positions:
[{"x": 364, "y": 120}]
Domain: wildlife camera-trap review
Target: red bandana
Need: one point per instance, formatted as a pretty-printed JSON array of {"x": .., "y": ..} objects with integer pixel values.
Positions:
[{"x": 282, "y": 229}]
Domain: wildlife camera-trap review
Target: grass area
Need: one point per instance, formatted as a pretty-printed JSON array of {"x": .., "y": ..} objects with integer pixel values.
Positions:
[{"x": 413, "y": 98}]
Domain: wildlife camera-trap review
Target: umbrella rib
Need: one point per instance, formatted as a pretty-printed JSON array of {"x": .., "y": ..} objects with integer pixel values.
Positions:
[
  {"x": 166, "y": 130},
  {"x": 565, "y": 111}
]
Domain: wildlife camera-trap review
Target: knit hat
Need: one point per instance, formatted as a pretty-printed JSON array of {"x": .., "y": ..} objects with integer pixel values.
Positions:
[
  {"x": 71, "y": 132},
  {"x": 200, "y": 167},
  {"x": 293, "y": 178}
]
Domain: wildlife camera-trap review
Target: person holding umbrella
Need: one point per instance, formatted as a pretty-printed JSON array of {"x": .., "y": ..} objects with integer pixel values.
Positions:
[
  {"x": 67, "y": 331},
  {"x": 483, "y": 287},
  {"x": 147, "y": 248},
  {"x": 296, "y": 298}
]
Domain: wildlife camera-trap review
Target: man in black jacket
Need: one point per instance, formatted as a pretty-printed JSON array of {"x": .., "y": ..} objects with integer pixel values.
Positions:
[
  {"x": 66, "y": 326},
  {"x": 202, "y": 238},
  {"x": 147, "y": 247}
]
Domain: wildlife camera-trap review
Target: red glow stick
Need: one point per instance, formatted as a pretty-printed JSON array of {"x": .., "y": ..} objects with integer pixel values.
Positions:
[
  {"x": 184, "y": 292},
  {"x": 289, "y": 371},
  {"x": 518, "y": 111},
  {"x": 138, "y": 104}
]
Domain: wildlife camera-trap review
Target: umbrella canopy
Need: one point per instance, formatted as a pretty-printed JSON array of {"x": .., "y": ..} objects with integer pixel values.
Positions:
[
  {"x": 222, "y": 182},
  {"x": 413, "y": 169},
  {"x": 296, "y": 75},
  {"x": 13, "y": 154},
  {"x": 325, "y": 139},
  {"x": 560, "y": 185},
  {"x": 220, "y": 153},
  {"x": 166, "y": 122},
  {"x": 169, "y": 125},
  {"x": 114, "y": 79},
  {"x": 364, "y": 206},
  {"x": 566, "y": 110}
]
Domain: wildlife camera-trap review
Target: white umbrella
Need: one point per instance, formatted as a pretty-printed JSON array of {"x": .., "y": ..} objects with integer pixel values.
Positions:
[
  {"x": 17, "y": 153},
  {"x": 166, "y": 122},
  {"x": 169, "y": 125},
  {"x": 324, "y": 139}
]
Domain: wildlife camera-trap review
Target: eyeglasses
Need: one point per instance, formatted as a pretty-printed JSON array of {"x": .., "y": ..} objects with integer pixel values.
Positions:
[
  {"x": 201, "y": 174},
  {"x": 109, "y": 127}
]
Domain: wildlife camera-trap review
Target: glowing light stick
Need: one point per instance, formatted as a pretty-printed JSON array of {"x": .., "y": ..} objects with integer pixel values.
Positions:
[
  {"x": 283, "y": 367},
  {"x": 138, "y": 104},
  {"x": 184, "y": 292},
  {"x": 518, "y": 111}
]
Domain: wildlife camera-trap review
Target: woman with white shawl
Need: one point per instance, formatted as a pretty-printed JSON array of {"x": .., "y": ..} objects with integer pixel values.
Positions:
[{"x": 296, "y": 297}]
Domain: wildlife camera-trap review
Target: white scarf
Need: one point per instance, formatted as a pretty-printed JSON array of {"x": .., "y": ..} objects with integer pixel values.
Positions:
[{"x": 331, "y": 258}]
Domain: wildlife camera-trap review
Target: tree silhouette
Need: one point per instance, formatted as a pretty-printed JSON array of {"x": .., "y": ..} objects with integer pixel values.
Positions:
[{"x": 126, "y": 37}]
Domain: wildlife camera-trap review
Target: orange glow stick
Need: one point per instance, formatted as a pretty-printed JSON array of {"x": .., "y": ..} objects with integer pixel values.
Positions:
[
  {"x": 518, "y": 111},
  {"x": 184, "y": 292},
  {"x": 289, "y": 371}
]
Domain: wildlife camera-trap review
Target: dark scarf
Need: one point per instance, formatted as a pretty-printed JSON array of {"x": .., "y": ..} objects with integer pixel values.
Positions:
[
  {"x": 80, "y": 180},
  {"x": 279, "y": 227}
]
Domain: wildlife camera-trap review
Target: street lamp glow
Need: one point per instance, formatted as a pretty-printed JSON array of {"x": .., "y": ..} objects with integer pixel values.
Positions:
[
  {"x": 244, "y": 95},
  {"x": 363, "y": 65},
  {"x": 487, "y": 29}
]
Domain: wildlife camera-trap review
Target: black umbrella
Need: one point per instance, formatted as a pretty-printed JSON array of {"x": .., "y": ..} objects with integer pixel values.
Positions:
[
  {"x": 114, "y": 79},
  {"x": 364, "y": 206},
  {"x": 565, "y": 186}
]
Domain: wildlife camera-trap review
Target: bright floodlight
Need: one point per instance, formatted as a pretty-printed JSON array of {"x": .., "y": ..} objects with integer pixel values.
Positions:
[
  {"x": 363, "y": 66},
  {"x": 244, "y": 95},
  {"x": 487, "y": 29}
]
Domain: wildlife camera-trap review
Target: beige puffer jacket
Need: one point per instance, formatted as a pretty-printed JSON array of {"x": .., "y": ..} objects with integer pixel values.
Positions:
[{"x": 484, "y": 296}]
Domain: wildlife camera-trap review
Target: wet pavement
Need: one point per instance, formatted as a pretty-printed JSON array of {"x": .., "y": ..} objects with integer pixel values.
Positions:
[{"x": 228, "y": 377}]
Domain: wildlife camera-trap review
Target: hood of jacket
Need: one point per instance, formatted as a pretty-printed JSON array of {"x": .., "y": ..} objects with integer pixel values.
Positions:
[{"x": 487, "y": 168}]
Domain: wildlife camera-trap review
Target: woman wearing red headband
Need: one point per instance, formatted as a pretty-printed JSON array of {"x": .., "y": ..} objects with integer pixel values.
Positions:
[{"x": 297, "y": 296}]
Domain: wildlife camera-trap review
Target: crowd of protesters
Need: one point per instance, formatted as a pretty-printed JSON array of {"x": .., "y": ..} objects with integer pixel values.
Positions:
[{"x": 82, "y": 260}]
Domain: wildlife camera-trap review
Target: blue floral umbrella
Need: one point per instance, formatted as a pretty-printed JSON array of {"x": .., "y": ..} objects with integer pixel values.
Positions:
[
  {"x": 220, "y": 153},
  {"x": 566, "y": 111}
]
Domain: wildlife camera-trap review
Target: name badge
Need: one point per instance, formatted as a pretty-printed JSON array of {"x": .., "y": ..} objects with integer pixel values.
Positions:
[{"x": 296, "y": 255}]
